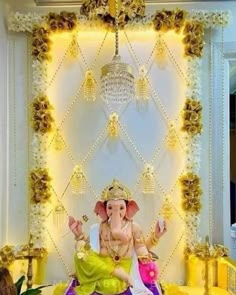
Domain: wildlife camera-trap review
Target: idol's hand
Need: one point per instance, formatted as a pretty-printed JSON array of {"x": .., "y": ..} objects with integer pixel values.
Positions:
[
  {"x": 75, "y": 226},
  {"x": 160, "y": 228}
]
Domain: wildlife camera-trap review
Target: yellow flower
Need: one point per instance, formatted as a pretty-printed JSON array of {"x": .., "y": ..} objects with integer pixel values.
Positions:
[
  {"x": 63, "y": 21},
  {"x": 7, "y": 255},
  {"x": 193, "y": 39},
  {"x": 40, "y": 43},
  {"x": 192, "y": 116},
  {"x": 40, "y": 185},
  {"x": 179, "y": 19},
  {"x": 41, "y": 115},
  {"x": 191, "y": 192}
]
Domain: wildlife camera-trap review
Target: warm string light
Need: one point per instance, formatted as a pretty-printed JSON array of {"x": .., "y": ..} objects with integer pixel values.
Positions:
[
  {"x": 167, "y": 263},
  {"x": 157, "y": 99},
  {"x": 59, "y": 254}
]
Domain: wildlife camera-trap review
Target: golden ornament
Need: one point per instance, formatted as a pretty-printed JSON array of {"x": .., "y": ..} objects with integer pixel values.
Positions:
[
  {"x": 166, "y": 208},
  {"x": 89, "y": 86},
  {"x": 116, "y": 191},
  {"x": 113, "y": 125},
  {"x": 148, "y": 180},
  {"x": 171, "y": 139},
  {"x": 78, "y": 181},
  {"x": 59, "y": 215},
  {"x": 58, "y": 142},
  {"x": 161, "y": 54},
  {"x": 142, "y": 86},
  {"x": 74, "y": 50}
]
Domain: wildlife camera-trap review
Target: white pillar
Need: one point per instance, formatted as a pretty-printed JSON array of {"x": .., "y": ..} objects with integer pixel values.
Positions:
[{"x": 3, "y": 121}]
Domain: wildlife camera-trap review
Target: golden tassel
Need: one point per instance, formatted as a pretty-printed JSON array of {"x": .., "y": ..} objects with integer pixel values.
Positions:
[
  {"x": 59, "y": 215},
  {"x": 89, "y": 86},
  {"x": 113, "y": 125},
  {"x": 74, "y": 50},
  {"x": 58, "y": 142},
  {"x": 166, "y": 208},
  {"x": 78, "y": 180},
  {"x": 148, "y": 180},
  {"x": 142, "y": 87},
  {"x": 171, "y": 139},
  {"x": 161, "y": 56}
]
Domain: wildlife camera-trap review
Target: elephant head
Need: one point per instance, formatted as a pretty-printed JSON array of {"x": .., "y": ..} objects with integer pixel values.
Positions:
[{"x": 116, "y": 206}]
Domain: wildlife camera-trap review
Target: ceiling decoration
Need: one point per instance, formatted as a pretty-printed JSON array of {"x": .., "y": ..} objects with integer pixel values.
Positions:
[{"x": 79, "y": 2}]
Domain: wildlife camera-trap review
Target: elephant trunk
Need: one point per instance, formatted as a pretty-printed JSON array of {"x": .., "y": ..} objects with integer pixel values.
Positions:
[{"x": 116, "y": 227}]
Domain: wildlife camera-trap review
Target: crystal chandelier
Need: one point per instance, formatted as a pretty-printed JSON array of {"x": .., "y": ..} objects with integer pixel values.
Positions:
[{"x": 117, "y": 80}]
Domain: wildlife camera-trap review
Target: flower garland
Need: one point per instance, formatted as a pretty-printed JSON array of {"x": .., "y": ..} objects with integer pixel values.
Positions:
[
  {"x": 191, "y": 191},
  {"x": 129, "y": 10},
  {"x": 40, "y": 43},
  {"x": 40, "y": 185},
  {"x": 19, "y": 22},
  {"x": 7, "y": 255},
  {"x": 41, "y": 115},
  {"x": 193, "y": 39},
  {"x": 192, "y": 127},
  {"x": 191, "y": 203},
  {"x": 211, "y": 19},
  {"x": 165, "y": 20},
  {"x": 64, "y": 21},
  {"x": 192, "y": 117}
]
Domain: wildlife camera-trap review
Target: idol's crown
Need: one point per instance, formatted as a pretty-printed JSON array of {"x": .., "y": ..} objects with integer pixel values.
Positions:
[{"x": 116, "y": 191}]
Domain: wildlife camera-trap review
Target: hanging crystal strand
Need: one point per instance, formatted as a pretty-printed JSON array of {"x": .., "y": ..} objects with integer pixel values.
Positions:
[
  {"x": 148, "y": 180},
  {"x": 117, "y": 80},
  {"x": 171, "y": 139},
  {"x": 113, "y": 125},
  {"x": 142, "y": 89},
  {"x": 59, "y": 215},
  {"x": 166, "y": 208},
  {"x": 161, "y": 56},
  {"x": 89, "y": 86},
  {"x": 58, "y": 142},
  {"x": 78, "y": 180},
  {"x": 74, "y": 50}
]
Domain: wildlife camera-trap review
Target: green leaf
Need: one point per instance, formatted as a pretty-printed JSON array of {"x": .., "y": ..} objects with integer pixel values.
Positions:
[
  {"x": 19, "y": 283},
  {"x": 34, "y": 291}
]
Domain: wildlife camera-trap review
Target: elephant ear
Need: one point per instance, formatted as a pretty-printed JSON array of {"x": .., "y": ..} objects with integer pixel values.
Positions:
[
  {"x": 131, "y": 209},
  {"x": 100, "y": 210}
]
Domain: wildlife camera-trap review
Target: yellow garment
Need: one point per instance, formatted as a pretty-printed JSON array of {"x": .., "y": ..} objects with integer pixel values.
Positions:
[{"x": 94, "y": 274}]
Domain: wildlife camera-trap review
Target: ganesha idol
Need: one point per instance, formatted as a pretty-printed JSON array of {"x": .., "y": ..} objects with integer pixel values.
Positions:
[{"x": 114, "y": 258}]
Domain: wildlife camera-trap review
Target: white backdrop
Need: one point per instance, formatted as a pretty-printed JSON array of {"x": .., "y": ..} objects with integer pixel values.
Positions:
[{"x": 145, "y": 125}]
